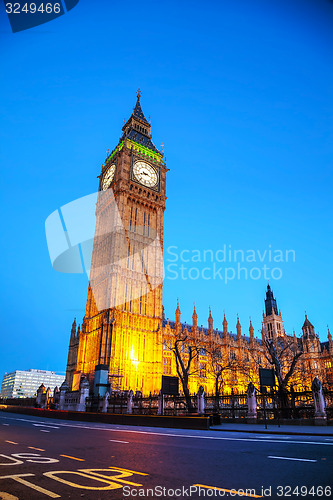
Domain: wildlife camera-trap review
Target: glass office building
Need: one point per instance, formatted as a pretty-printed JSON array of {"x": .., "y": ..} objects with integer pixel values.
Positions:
[{"x": 24, "y": 384}]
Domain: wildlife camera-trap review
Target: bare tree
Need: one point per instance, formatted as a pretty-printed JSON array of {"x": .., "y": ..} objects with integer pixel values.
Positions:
[
  {"x": 283, "y": 354},
  {"x": 217, "y": 365},
  {"x": 185, "y": 365}
]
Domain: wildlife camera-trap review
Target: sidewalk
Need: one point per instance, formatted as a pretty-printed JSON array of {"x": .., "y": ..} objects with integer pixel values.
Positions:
[{"x": 294, "y": 430}]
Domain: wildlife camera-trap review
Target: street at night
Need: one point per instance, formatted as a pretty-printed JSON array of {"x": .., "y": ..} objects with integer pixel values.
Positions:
[{"x": 46, "y": 458}]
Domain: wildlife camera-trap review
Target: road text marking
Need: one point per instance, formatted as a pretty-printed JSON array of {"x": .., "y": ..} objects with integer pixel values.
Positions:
[{"x": 297, "y": 459}]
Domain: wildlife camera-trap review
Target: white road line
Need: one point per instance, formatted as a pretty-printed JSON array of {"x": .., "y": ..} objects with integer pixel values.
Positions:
[
  {"x": 215, "y": 438},
  {"x": 5, "y": 424},
  {"x": 43, "y": 430},
  {"x": 297, "y": 459},
  {"x": 116, "y": 441},
  {"x": 273, "y": 437},
  {"x": 46, "y": 425}
]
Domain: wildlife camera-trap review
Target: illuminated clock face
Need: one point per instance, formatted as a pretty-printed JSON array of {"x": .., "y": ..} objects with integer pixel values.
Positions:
[
  {"x": 108, "y": 177},
  {"x": 145, "y": 174}
]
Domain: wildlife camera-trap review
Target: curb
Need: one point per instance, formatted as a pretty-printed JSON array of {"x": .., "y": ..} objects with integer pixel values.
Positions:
[{"x": 282, "y": 433}]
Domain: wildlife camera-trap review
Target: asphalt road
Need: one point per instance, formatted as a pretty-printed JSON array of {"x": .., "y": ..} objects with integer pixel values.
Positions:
[{"x": 43, "y": 458}]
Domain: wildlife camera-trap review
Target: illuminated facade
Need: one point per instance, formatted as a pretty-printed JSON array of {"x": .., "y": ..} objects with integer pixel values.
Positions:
[
  {"x": 121, "y": 331},
  {"x": 243, "y": 354},
  {"x": 124, "y": 341}
]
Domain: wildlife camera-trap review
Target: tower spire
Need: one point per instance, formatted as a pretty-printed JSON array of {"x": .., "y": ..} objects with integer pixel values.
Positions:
[
  {"x": 178, "y": 313},
  {"x": 270, "y": 302},
  {"x": 239, "y": 329},
  {"x": 210, "y": 320},
  {"x": 194, "y": 318}
]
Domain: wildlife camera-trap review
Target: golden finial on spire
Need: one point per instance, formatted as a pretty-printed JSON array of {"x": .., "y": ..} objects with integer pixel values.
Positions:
[{"x": 139, "y": 93}]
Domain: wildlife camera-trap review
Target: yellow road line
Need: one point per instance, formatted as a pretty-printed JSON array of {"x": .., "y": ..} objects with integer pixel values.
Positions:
[
  {"x": 73, "y": 458},
  {"x": 18, "y": 478},
  {"x": 234, "y": 491},
  {"x": 11, "y": 442},
  {"x": 33, "y": 448},
  {"x": 127, "y": 470}
]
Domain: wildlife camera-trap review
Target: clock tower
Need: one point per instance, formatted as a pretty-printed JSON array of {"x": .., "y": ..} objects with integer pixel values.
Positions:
[{"x": 120, "y": 341}]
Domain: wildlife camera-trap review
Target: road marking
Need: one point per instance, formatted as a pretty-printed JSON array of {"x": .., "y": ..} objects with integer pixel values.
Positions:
[
  {"x": 33, "y": 448},
  {"x": 43, "y": 430},
  {"x": 18, "y": 478},
  {"x": 269, "y": 440},
  {"x": 128, "y": 470},
  {"x": 215, "y": 438},
  {"x": 116, "y": 441},
  {"x": 10, "y": 442},
  {"x": 297, "y": 459},
  {"x": 7, "y": 496},
  {"x": 5, "y": 424},
  {"x": 272, "y": 437},
  {"x": 111, "y": 485},
  {"x": 46, "y": 425},
  {"x": 233, "y": 491},
  {"x": 73, "y": 458}
]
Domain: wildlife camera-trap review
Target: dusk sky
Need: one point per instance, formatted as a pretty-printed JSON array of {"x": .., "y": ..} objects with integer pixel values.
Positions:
[{"x": 241, "y": 95}]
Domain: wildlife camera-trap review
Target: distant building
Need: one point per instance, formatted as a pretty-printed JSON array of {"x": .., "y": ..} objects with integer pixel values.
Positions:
[{"x": 24, "y": 383}]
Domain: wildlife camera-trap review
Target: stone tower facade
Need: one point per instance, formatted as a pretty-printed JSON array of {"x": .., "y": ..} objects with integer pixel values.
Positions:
[{"x": 121, "y": 332}]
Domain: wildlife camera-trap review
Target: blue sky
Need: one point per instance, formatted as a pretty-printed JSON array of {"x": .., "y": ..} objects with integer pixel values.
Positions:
[{"x": 240, "y": 93}]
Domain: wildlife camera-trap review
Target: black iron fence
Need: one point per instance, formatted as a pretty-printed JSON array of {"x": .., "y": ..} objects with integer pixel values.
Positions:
[{"x": 230, "y": 407}]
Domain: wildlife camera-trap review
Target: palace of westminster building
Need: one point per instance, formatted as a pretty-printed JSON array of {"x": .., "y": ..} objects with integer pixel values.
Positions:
[{"x": 124, "y": 334}]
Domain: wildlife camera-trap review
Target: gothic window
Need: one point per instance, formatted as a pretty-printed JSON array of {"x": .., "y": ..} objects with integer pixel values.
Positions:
[
  {"x": 131, "y": 217},
  {"x": 135, "y": 218},
  {"x": 167, "y": 366},
  {"x": 185, "y": 348}
]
